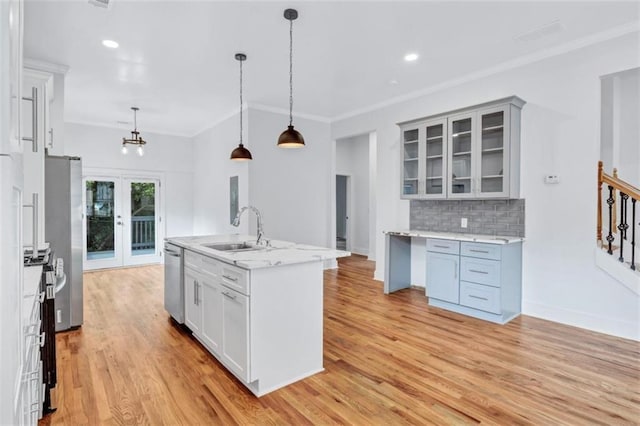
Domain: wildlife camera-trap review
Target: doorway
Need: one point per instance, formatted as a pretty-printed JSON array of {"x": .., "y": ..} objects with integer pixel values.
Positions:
[
  {"x": 121, "y": 221},
  {"x": 342, "y": 212}
]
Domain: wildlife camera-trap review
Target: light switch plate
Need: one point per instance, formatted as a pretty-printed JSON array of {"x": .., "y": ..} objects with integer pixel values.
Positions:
[{"x": 463, "y": 222}]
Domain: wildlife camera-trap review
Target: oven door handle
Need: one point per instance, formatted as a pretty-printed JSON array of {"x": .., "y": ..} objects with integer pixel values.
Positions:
[{"x": 60, "y": 282}]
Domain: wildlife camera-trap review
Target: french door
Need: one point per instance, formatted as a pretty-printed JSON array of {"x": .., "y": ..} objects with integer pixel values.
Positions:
[{"x": 121, "y": 221}]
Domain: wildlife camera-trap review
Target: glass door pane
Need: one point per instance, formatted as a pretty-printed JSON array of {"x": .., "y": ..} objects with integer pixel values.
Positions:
[
  {"x": 141, "y": 221},
  {"x": 143, "y": 218},
  {"x": 101, "y": 223},
  {"x": 410, "y": 162},
  {"x": 492, "y": 155},
  {"x": 435, "y": 159},
  {"x": 461, "y": 136}
]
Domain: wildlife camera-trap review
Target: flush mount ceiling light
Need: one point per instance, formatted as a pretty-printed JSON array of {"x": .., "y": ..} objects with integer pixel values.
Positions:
[
  {"x": 110, "y": 44},
  {"x": 410, "y": 57},
  {"x": 241, "y": 153},
  {"x": 135, "y": 139},
  {"x": 290, "y": 138}
]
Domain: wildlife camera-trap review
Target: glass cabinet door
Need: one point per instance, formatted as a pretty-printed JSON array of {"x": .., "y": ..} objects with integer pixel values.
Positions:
[
  {"x": 492, "y": 152},
  {"x": 461, "y": 143},
  {"x": 410, "y": 163},
  {"x": 435, "y": 158}
]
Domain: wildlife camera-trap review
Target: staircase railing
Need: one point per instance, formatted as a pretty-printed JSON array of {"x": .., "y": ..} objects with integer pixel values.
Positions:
[{"x": 626, "y": 191}]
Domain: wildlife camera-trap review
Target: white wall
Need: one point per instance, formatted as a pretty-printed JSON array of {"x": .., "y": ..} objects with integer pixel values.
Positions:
[
  {"x": 171, "y": 156},
  {"x": 212, "y": 170},
  {"x": 291, "y": 187},
  {"x": 560, "y": 135},
  {"x": 352, "y": 158}
]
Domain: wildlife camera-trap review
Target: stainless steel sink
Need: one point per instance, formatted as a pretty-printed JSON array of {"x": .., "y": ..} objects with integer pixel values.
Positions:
[{"x": 232, "y": 247}]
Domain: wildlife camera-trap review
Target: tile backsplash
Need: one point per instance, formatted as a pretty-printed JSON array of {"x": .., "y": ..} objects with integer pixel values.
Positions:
[{"x": 487, "y": 217}]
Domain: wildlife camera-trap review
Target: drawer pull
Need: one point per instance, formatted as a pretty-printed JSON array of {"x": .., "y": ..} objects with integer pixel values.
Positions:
[
  {"x": 230, "y": 296},
  {"x": 479, "y": 251},
  {"x": 442, "y": 247},
  {"x": 230, "y": 278},
  {"x": 478, "y": 297},
  {"x": 478, "y": 272}
]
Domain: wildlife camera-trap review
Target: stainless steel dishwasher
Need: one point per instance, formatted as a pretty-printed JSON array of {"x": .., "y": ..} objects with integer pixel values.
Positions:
[{"x": 173, "y": 288}]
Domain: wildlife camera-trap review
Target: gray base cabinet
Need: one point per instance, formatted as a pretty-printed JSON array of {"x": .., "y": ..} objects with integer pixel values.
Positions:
[{"x": 483, "y": 280}]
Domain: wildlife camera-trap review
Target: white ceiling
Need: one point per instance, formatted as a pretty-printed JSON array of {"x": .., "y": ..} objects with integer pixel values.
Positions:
[{"x": 176, "y": 58}]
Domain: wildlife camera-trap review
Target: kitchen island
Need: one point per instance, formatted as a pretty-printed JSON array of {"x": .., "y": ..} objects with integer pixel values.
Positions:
[{"x": 256, "y": 308}]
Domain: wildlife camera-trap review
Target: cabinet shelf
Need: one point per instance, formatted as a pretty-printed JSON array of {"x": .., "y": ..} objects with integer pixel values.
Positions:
[
  {"x": 432, "y": 157},
  {"x": 491, "y": 128},
  {"x": 408, "y": 179},
  {"x": 433, "y": 177},
  {"x": 492, "y": 176},
  {"x": 411, "y": 159},
  {"x": 455, "y": 135},
  {"x": 413, "y": 141},
  {"x": 433, "y": 138},
  {"x": 455, "y": 154},
  {"x": 462, "y": 178},
  {"x": 493, "y": 149}
]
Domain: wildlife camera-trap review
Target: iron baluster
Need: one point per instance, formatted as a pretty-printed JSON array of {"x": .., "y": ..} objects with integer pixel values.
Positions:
[
  {"x": 610, "y": 202},
  {"x": 622, "y": 227},
  {"x": 633, "y": 234}
]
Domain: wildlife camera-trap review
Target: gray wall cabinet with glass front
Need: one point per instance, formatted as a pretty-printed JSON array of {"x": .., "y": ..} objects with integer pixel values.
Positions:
[{"x": 468, "y": 153}]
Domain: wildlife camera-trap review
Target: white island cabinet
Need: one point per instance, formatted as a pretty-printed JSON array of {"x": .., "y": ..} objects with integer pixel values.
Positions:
[{"x": 258, "y": 311}]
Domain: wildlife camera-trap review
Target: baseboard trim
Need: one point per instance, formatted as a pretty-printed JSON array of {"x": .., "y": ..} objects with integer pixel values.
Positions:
[{"x": 600, "y": 324}]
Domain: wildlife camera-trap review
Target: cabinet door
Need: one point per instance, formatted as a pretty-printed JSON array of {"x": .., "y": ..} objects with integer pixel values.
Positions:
[
  {"x": 460, "y": 162},
  {"x": 443, "y": 278},
  {"x": 192, "y": 308},
  {"x": 493, "y": 152},
  {"x": 411, "y": 147},
  {"x": 435, "y": 159},
  {"x": 211, "y": 312},
  {"x": 34, "y": 121},
  {"x": 235, "y": 332}
]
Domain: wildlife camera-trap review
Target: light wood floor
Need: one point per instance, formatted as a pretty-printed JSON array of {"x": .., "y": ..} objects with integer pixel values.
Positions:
[{"x": 388, "y": 360}]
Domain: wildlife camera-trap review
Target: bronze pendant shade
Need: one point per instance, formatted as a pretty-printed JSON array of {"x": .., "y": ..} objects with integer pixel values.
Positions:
[
  {"x": 290, "y": 138},
  {"x": 241, "y": 153}
]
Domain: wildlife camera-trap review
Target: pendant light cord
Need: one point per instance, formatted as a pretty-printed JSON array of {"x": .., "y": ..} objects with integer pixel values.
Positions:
[
  {"x": 240, "y": 102},
  {"x": 290, "y": 72}
]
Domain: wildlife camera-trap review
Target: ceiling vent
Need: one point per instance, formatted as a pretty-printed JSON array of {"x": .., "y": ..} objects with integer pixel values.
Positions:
[
  {"x": 101, "y": 3},
  {"x": 554, "y": 27}
]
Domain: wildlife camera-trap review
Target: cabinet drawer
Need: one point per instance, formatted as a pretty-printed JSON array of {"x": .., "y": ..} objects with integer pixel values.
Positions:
[
  {"x": 483, "y": 251},
  {"x": 481, "y": 271},
  {"x": 192, "y": 259},
  {"x": 443, "y": 246},
  {"x": 480, "y": 297},
  {"x": 235, "y": 278}
]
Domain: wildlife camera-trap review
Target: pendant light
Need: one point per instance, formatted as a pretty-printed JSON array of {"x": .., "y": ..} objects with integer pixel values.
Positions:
[
  {"x": 290, "y": 138},
  {"x": 241, "y": 153},
  {"x": 135, "y": 139}
]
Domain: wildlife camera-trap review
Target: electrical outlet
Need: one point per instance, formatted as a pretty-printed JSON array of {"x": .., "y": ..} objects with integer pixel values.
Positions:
[
  {"x": 59, "y": 316},
  {"x": 463, "y": 222}
]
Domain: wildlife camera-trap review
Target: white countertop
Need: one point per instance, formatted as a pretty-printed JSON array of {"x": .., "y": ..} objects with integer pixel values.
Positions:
[
  {"x": 477, "y": 238},
  {"x": 278, "y": 253}
]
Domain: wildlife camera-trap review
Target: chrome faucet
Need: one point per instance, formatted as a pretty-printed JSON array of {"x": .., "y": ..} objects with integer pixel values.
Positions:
[{"x": 236, "y": 221}]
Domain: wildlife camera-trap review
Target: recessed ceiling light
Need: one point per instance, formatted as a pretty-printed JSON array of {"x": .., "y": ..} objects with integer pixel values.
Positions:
[
  {"x": 410, "y": 57},
  {"x": 110, "y": 44},
  {"x": 393, "y": 82}
]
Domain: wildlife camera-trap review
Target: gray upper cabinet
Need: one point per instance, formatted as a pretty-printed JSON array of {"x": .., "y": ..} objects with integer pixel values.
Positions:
[{"x": 468, "y": 153}]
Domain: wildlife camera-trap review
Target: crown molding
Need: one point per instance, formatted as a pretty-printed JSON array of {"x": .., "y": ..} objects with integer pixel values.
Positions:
[
  {"x": 122, "y": 127},
  {"x": 39, "y": 65},
  {"x": 277, "y": 110},
  {"x": 602, "y": 36}
]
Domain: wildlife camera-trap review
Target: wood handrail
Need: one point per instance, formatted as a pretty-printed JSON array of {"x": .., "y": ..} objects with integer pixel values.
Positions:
[
  {"x": 618, "y": 185},
  {"x": 621, "y": 186}
]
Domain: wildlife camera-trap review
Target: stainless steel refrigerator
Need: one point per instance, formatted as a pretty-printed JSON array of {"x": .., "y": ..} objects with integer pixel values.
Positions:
[{"x": 63, "y": 231}]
